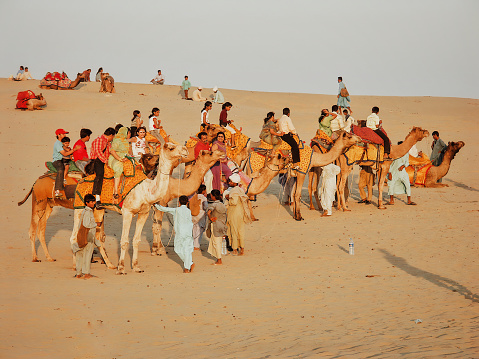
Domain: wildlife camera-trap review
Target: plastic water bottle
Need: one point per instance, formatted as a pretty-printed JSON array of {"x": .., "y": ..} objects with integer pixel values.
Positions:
[{"x": 351, "y": 246}]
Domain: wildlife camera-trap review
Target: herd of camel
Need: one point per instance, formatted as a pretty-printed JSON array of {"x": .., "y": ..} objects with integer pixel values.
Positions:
[{"x": 162, "y": 188}]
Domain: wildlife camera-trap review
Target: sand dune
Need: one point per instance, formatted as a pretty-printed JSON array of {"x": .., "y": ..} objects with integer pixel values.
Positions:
[{"x": 297, "y": 293}]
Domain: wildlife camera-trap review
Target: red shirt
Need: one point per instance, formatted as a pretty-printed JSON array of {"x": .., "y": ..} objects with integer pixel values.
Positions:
[
  {"x": 224, "y": 118},
  {"x": 201, "y": 146},
  {"x": 80, "y": 154},
  {"x": 100, "y": 148}
]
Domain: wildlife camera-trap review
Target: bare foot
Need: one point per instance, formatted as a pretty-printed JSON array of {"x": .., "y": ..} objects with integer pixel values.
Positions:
[
  {"x": 79, "y": 276},
  {"x": 241, "y": 253},
  {"x": 235, "y": 252},
  {"x": 88, "y": 276},
  {"x": 325, "y": 214},
  {"x": 191, "y": 268}
]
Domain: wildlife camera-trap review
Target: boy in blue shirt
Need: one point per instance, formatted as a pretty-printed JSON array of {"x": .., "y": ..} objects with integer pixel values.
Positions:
[{"x": 58, "y": 154}]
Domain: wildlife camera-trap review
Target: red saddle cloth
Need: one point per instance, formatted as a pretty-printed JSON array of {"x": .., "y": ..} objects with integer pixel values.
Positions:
[
  {"x": 23, "y": 97},
  {"x": 368, "y": 135}
]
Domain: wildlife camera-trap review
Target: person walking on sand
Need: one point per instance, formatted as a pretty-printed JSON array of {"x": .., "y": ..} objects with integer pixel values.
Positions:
[
  {"x": 199, "y": 220},
  {"x": 328, "y": 187},
  {"x": 216, "y": 227},
  {"x": 237, "y": 215},
  {"x": 398, "y": 179},
  {"x": 183, "y": 226},
  {"x": 343, "y": 96},
  {"x": 85, "y": 241},
  {"x": 186, "y": 85}
]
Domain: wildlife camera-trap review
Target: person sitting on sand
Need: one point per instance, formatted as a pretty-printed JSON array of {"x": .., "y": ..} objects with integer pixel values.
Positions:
[
  {"x": 154, "y": 123},
  {"x": 205, "y": 113},
  {"x": 197, "y": 95},
  {"x": 325, "y": 121},
  {"x": 398, "y": 179},
  {"x": 86, "y": 240},
  {"x": 218, "y": 96},
  {"x": 374, "y": 123},
  {"x": 159, "y": 79},
  {"x": 270, "y": 133},
  {"x": 328, "y": 187},
  {"x": 120, "y": 147},
  {"x": 81, "y": 155},
  {"x": 138, "y": 143},
  {"x": 287, "y": 128},
  {"x": 183, "y": 226},
  {"x": 26, "y": 75},
  {"x": 186, "y": 85},
  {"x": 98, "y": 74},
  {"x": 216, "y": 227},
  {"x": 85, "y": 76}
]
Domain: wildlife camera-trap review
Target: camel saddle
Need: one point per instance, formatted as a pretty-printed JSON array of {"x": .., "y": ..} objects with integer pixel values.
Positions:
[
  {"x": 322, "y": 141},
  {"x": 368, "y": 135},
  {"x": 23, "y": 97}
]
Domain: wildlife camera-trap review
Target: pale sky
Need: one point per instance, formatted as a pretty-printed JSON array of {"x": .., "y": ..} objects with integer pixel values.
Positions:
[{"x": 385, "y": 48}]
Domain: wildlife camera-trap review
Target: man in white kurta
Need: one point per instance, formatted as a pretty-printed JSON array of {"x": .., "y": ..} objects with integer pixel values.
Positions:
[
  {"x": 328, "y": 187},
  {"x": 398, "y": 179},
  {"x": 183, "y": 225}
]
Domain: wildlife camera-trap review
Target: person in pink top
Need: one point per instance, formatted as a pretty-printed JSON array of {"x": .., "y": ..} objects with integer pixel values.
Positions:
[{"x": 80, "y": 157}]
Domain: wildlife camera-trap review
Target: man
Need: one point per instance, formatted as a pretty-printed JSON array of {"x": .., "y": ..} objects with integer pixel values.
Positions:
[
  {"x": 337, "y": 124},
  {"x": 100, "y": 151},
  {"x": 287, "y": 129},
  {"x": 218, "y": 96},
  {"x": 398, "y": 179},
  {"x": 343, "y": 100},
  {"x": 202, "y": 144},
  {"x": 197, "y": 95},
  {"x": 348, "y": 121},
  {"x": 375, "y": 124},
  {"x": 58, "y": 163},
  {"x": 328, "y": 187},
  {"x": 81, "y": 156},
  {"x": 19, "y": 74},
  {"x": 437, "y": 147},
  {"x": 159, "y": 79}
]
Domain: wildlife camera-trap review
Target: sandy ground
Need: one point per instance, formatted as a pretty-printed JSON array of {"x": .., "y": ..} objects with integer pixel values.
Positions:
[{"x": 297, "y": 293}]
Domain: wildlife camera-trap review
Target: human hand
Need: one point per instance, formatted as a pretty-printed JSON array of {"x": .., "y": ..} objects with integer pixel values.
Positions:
[
  {"x": 390, "y": 176},
  {"x": 213, "y": 219},
  {"x": 401, "y": 168},
  {"x": 77, "y": 147}
]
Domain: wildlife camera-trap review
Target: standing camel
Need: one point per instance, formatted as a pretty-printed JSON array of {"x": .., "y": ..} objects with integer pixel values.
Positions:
[
  {"x": 397, "y": 151},
  {"x": 138, "y": 202}
]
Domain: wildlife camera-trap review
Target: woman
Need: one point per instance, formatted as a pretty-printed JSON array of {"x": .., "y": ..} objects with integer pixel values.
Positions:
[
  {"x": 221, "y": 166},
  {"x": 98, "y": 74},
  {"x": 138, "y": 143},
  {"x": 120, "y": 147},
  {"x": 205, "y": 112},
  {"x": 325, "y": 121},
  {"x": 154, "y": 121},
  {"x": 269, "y": 133},
  {"x": 136, "y": 122}
]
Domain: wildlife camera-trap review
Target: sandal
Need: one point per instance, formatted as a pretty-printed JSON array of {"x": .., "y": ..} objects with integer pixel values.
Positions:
[{"x": 412, "y": 204}]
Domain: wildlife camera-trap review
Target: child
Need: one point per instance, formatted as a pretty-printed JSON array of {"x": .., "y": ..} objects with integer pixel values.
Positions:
[
  {"x": 185, "y": 85},
  {"x": 83, "y": 244},
  {"x": 58, "y": 154},
  {"x": 216, "y": 225},
  {"x": 199, "y": 220},
  {"x": 225, "y": 123},
  {"x": 183, "y": 226},
  {"x": 66, "y": 158}
]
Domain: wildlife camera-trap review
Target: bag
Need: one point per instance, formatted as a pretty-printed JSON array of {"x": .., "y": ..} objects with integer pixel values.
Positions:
[
  {"x": 344, "y": 92},
  {"x": 195, "y": 204},
  {"x": 82, "y": 236}
]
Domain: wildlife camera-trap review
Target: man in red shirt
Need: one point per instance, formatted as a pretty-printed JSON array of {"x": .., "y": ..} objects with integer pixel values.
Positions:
[
  {"x": 81, "y": 156},
  {"x": 100, "y": 150},
  {"x": 202, "y": 144}
]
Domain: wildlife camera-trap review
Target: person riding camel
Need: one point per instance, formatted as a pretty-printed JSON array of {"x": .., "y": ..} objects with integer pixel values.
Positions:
[
  {"x": 270, "y": 133},
  {"x": 287, "y": 128},
  {"x": 224, "y": 122},
  {"x": 375, "y": 124},
  {"x": 120, "y": 147},
  {"x": 220, "y": 167}
]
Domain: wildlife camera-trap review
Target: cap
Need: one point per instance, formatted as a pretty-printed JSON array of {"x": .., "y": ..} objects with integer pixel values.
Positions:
[
  {"x": 200, "y": 88},
  {"x": 60, "y": 131},
  {"x": 235, "y": 178},
  {"x": 215, "y": 89}
]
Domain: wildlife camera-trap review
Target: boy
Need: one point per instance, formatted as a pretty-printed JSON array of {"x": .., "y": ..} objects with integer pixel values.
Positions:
[
  {"x": 85, "y": 241},
  {"x": 58, "y": 154},
  {"x": 216, "y": 225},
  {"x": 66, "y": 159},
  {"x": 81, "y": 156},
  {"x": 183, "y": 225},
  {"x": 185, "y": 85},
  {"x": 199, "y": 221}
]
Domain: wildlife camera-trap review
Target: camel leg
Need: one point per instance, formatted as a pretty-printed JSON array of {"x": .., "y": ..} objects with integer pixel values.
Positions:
[
  {"x": 341, "y": 187},
  {"x": 311, "y": 177},
  {"x": 250, "y": 206},
  {"x": 140, "y": 222},
  {"x": 124, "y": 243},
  {"x": 315, "y": 188},
  {"x": 297, "y": 196},
  {"x": 42, "y": 225},
  {"x": 383, "y": 171},
  {"x": 32, "y": 232},
  {"x": 100, "y": 236},
  {"x": 157, "y": 248}
]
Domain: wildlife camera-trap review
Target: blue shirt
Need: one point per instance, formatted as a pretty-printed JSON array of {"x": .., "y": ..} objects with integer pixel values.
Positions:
[{"x": 57, "y": 147}]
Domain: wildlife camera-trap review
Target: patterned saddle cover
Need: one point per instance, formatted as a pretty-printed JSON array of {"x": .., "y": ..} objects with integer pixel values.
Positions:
[
  {"x": 322, "y": 141},
  {"x": 56, "y": 78},
  {"x": 365, "y": 152},
  {"x": 418, "y": 169},
  {"x": 132, "y": 176}
]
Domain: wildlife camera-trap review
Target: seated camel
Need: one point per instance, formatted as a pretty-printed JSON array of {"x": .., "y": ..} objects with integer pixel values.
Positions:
[
  {"x": 27, "y": 100},
  {"x": 107, "y": 83}
]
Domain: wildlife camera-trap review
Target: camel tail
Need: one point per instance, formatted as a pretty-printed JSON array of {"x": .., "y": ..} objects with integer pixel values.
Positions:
[{"x": 28, "y": 195}]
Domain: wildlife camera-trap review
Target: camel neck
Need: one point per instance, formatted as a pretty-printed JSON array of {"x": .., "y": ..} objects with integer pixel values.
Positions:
[
  {"x": 443, "y": 168},
  {"x": 260, "y": 183},
  {"x": 398, "y": 151}
]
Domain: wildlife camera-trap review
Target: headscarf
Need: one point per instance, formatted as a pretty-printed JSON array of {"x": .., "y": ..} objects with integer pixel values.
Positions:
[
  {"x": 235, "y": 178},
  {"x": 215, "y": 89},
  {"x": 120, "y": 144}
]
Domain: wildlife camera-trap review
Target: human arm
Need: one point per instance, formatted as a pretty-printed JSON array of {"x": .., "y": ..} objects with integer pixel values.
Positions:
[
  {"x": 115, "y": 155},
  {"x": 212, "y": 219},
  {"x": 69, "y": 152},
  {"x": 89, "y": 219},
  {"x": 165, "y": 209}
]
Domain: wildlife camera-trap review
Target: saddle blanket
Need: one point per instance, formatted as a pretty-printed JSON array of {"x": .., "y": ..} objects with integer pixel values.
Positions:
[
  {"x": 322, "y": 141},
  {"x": 366, "y": 153},
  {"x": 368, "y": 135},
  {"x": 23, "y": 97},
  {"x": 420, "y": 165},
  {"x": 132, "y": 176}
]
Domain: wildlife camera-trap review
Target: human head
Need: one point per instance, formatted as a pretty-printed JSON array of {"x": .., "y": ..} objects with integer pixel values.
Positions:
[
  {"x": 269, "y": 116},
  {"x": 227, "y": 106},
  {"x": 60, "y": 133},
  {"x": 203, "y": 136},
  {"x": 183, "y": 200},
  {"x": 215, "y": 89},
  {"x": 345, "y": 111},
  {"x": 141, "y": 132},
  {"x": 117, "y": 127},
  {"x": 340, "y": 79},
  {"x": 208, "y": 106},
  {"x": 26, "y": 69},
  {"x": 221, "y": 135},
  {"x": 186, "y": 77},
  {"x": 334, "y": 108},
  {"x": 136, "y": 113},
  {"x": 216, "y": 194},
  {"x": 286, "y": 111},
  {"x": 375, "y": 109},
  {"x": 159, "y": 72},
  {"x": 89, "y": 200},
  {"x": 21, "y": 67},
  {"x": 155, "y": 111},
  {"x": 66, "y": 141},
  {"x": 234, "y": 179},
  {"x": 201, "y": 189},
  {"x": 109, "y": 133},
  {"x": 85, "y": 132},
  {"x": 435, "y": 135},
  {"x": 100, "y": 70},
  {"x": 200, "y": 88}
]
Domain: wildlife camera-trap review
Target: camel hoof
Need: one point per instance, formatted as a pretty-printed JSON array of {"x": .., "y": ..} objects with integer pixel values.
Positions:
[
  {"x": 51, "y": 260},
  {"x": 36, "y": 260},
  {"x": 138, "y": 270},
  {"x": 311, "y": 208},
  {"x": 382, "y": 207},
  {"x": 120, "y": 271},
  {"x": 346, "y": 210},
  {"x": 111, "y": 266}
]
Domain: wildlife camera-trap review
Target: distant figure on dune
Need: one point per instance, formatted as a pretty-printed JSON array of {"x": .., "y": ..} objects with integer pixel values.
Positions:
[
  {"x": 98, "y": 74},
  {"x": 197, "y": 95},
  {"x": 343, "y": 96},
  {"x": 159, "y": 79},
  {"x": 22, "y": 75},
  {"x": 218, "y": 96},
  {"x": 85, "y": 76},
  {"x": 186, "y": 85}
]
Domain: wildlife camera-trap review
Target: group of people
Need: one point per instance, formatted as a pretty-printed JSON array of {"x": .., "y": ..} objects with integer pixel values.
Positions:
[{"x": 23, "y": 74}]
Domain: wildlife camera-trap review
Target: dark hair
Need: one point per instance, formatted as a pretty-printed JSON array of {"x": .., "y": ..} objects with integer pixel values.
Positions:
[
  {"x": 399, "y": 142},
  {"x": 135, "y": 114},
  {"x": 26, "y": 67},
  {"x": 186, "y": 76},
  {"x": 345, "y": 110},
  {"x": 85, "y": 132},
  {"x": 153, "y": 110},
  {"x": 226, "y": 104},
  {"x": 89, "y": 198},
  {"x": 435, "y": 133},
  {"x": 334, "y": 108},
  {"x": 202, "y": 133},
  {"x": 220, "y": 133},
  {"x": 286, "y": 111},
  {"x": 99, "y": 70},
  {"x": 375, "y": 109},
  {"x": 140, "y": 128},
  {"x": 65, "y": 139},
  {"x": 207, "y": 103},
  {"x": 21, "y": 67},
  {"x": 201, "y": 188},
  {"x": 109, "y": 131},
  {"x": 183, "y": 200},
  {"x": 340, "y": 78},
  {"x": 159, "y": 70},
  {"x": 323, "y": 115},
  {"x": 216, "y": 193},
  {"x": 268, "y": 116},
  {"x": 117, "y": 127}
]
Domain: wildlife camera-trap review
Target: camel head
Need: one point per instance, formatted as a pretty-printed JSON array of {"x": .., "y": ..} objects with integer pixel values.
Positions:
[
  {"x": 346, "y": 140},
  {"x": 149, "y": 162},
  {"x": 277, "y": 161},
  {"x": 209, "y": 158},
  {"x": 171, "y": 152},
  {"x": 39, "y": 97},
  {"x": 418, "y": 133},
  {"x": 212, "y": 131},
  {"x": 454, "y": 147}
]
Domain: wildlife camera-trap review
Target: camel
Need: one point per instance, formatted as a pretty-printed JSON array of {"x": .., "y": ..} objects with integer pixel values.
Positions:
[
  {"x": 344, "y": 141},
  {"x": 138, "y": 202},
  {"x": 36, "y": 103},
  {"x": 43, "y": 202},
  {"x": 397, "y": 151},
  {"x": 64, "y": 84},
  {"x": 107, "y": 83},
  {"x": 436, "y": 173}
]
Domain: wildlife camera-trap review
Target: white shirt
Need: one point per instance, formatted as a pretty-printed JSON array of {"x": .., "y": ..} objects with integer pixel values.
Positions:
[
  {"x": 159, "y": 78},
  {"x": 286, "y": 125},
  {"x": 138, "y": 147},
  {"x": 349, "y": 122},
  {"x": 207, "y": 114},
  {"x": 337, "y": 123},
  {"x": 152, "y": 123},
  {"x": 413, "y": 151},
  {"x": 372, "y": 121}
]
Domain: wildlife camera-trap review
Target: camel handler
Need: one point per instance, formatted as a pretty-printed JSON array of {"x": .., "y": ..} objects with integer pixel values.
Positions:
[
  {"x": 328, "y": 187},
  {"x": 216, "y": 227},
  {"x": 85, "y": 241},
  {"x": 398, "y": 179}
]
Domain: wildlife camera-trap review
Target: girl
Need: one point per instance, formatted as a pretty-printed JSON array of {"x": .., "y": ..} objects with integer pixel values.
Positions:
[
  {"x": 154, "y": 121},
  {"x": 221, "y": 166},
  {"x": 269, "y": 133},
  {"x": 204, "y": 114},
  {"x": 138, "y": 143},
  {"x": 98, "y": 74},
  {"x": 136, "y": 122}
]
